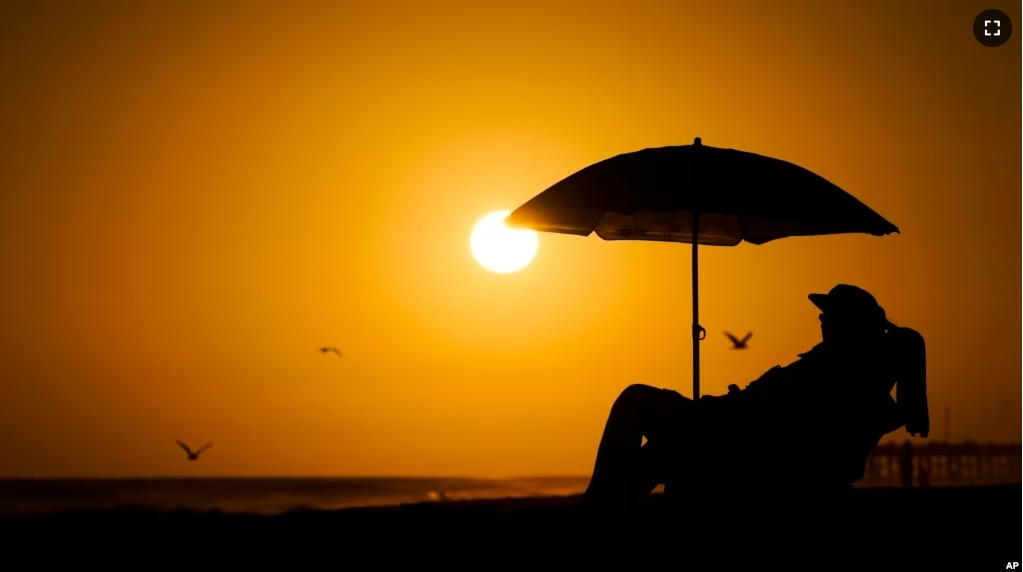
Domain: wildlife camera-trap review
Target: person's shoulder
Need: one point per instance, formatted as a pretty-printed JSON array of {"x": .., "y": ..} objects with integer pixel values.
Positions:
[
  {"x": 904, "y": 334},
  {"x": 901, "y": 341}
]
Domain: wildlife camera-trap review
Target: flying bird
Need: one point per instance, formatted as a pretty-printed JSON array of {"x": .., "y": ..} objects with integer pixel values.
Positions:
[
  {"x": 335, "y": 350},
  {"x": 739, "y": 344},
  {"x": 192, "y": 456}
]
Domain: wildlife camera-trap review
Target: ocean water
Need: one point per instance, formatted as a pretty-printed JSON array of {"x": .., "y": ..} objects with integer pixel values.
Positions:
[
  {"x": 264, "y": 495},
  {"x": 937, "y": 464}
]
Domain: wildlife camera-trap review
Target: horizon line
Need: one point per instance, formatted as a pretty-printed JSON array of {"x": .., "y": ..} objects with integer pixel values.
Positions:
[{"x": 389, "y": 477}]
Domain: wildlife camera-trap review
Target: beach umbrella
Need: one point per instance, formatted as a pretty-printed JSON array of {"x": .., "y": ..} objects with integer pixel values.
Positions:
[{"x": 697, "y": 194}]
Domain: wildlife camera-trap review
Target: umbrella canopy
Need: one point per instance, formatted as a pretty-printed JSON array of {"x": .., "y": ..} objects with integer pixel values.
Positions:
[
  {"x": 653, "y": 194},
  {"x": 699, "y": 195}
]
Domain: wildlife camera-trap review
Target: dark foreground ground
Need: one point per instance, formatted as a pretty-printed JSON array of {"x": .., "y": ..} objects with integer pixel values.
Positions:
[{"x": 975, "y": 527}]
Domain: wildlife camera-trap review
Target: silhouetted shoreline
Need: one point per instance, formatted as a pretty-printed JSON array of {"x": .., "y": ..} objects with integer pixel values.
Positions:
[
  {"x": 954, "y": 520},
  {"x": 265, "y": 495}
]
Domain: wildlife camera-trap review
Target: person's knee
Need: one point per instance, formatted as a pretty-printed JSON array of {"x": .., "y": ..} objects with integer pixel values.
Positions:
[
  {"x": 638, "y": 392},
  {"x": 636, "y": 397}
]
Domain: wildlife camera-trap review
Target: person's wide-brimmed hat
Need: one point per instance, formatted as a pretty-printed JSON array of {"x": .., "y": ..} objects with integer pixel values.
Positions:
[{"x": 852, "y": 301}]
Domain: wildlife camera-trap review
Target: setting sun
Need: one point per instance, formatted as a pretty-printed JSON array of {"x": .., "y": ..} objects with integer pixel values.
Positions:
[{"x": 499, "y": 248}]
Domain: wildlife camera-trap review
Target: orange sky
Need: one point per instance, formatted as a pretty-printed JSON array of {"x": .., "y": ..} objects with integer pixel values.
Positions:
[{"x": 194, "y": 196}]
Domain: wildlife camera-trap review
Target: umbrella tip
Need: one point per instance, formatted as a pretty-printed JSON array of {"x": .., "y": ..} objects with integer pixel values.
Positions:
[{"x": 697, "y": 141}]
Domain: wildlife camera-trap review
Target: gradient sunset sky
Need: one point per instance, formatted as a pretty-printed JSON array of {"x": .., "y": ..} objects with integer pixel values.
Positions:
[{"x": 194, "y": 196}]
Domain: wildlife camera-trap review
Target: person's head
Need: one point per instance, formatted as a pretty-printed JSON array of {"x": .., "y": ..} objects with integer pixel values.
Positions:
[{"x": 850, "y": 316}]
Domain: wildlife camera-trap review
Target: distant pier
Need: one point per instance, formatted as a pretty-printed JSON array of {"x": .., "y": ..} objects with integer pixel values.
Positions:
[{"x": 942, "y": 464}]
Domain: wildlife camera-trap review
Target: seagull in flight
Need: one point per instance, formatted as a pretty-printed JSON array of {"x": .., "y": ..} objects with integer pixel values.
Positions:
[
  {"x": 739, "y": 344},
  {"x": 192, "y": 456},
  {"x": 327, "y": 350}
]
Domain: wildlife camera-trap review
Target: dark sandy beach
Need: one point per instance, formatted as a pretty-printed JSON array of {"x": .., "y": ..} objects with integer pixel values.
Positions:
[{"x": 979, "y": 524}]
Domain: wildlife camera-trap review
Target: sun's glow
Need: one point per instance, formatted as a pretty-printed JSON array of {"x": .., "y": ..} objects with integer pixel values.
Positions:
[{"x": 499, "y": 248}]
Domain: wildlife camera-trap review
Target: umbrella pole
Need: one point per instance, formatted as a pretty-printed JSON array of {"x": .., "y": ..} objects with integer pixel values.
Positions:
[{"x": 698, "y": 330}]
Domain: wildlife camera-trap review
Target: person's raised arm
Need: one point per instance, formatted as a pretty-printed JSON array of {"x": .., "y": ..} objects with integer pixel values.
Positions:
[{"x": 909, "y": 358}]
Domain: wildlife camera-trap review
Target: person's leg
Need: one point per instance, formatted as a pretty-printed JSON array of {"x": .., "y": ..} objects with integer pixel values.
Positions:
[{"x": 625, "y": 468}]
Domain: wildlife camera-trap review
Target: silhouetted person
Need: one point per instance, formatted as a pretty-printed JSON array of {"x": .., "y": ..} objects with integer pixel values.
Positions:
[
  {"x": 192, "y": 456},
  {"x": 334, "y": 350},
  {"x": 737, "y": 343},
  {"x": 834, "y": 404}
]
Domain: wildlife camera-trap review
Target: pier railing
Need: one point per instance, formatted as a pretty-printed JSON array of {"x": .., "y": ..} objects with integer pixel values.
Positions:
[{"x": 942, "y": 464}]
